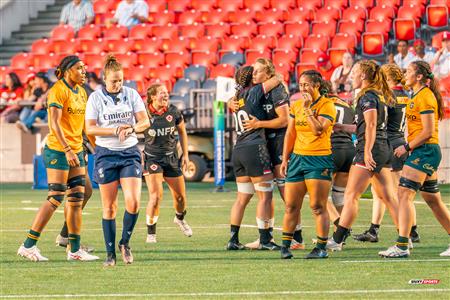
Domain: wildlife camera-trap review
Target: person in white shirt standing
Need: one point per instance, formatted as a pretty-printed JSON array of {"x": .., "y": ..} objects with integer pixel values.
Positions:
[
  {"x": 114, "y": 114},
  {"x": 130, "y": 13},
  {"x": 403, "y": 58},
  {"x": 441, "y": 61},
  {"x": 77, "y": 14}
]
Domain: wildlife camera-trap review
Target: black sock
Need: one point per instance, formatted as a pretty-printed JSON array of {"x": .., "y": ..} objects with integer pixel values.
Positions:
[
  {"x": 336, "y": 222},
  {"x": 264, "y": 236},
  {"x": 109, "y": 233},
  {"x": 129, "y": 221},
  {"x": 180, "y": 216},
  {"x": 271, "y": 232},
  {"x": 340, "y": 234},
  {"x": 298, "y": 236},
  {"x": 234, "y": 230},
  {"x": 64, "y": 231},
  {"x": 374, "y": 228},
  {"x": 151, "y": 229},
  {"x": 414, "y": 228}
]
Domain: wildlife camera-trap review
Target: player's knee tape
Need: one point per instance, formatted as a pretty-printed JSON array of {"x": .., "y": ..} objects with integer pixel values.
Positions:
[
  {"x": 55, "y": 200},
  {"x": 280, "y": 181},
  {"x": 245, "y": 187},
  {"x": 409, "y": 184},
  {"x": 430, "y": 186},
  {"x": 337, "y": 195},
  {"x": 76, "y": 181},
  {"x": 57, "y": 187},
  {"x": 264, "y": 186}
]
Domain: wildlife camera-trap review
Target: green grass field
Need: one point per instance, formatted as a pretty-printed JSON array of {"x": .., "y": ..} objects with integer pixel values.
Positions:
[{"x": 199, "y": 267}]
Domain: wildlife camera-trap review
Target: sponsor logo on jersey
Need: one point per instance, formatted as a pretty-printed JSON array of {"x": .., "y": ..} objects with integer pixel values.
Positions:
[
  {"x": 428, "y": 167},
  {"x": 411, "y": 117},
  {"x": 161, "y": 131},
  {"x": 325, "y": 172},
  {"x": 153, "y": 167},
  {"x": 169, "y": 118},
  {"x": 100, "y": 173},
  {"x": 267, "y": 172},
  {"x": 268, "y": 107},
  {"x": 75, "y": 111},
  {"x": 416, "y": 161}
]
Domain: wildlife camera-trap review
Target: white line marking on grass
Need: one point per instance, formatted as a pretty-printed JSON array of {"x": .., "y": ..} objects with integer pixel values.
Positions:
[
  {"x": 57, "y": 211},
  {"x": 30, "y": 208},
  {"x": 26, "y": 201},
  {"x": 388, "y": 260},
  {"x": 212, "y": 294}
]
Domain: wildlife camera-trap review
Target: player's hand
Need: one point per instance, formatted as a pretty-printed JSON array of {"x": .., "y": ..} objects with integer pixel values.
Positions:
[
  {"x": 369, "y": 161},
  {"x": 72, "y": 159},
  {"x": 252, "y": 123},
  {"x": 233, "y": 104},
  {"x": 399, "y": 151},
  {"x": 125, "y": 133},
  {"x": 307, "y": 99},
  {"x": 184, "y": 163},
  {"x": 283, "y": 168}
]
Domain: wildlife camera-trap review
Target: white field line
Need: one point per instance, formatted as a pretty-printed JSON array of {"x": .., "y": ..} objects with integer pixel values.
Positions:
[
  {"x": 387, "y": 260},
  {"x": 225, "y": 294}
]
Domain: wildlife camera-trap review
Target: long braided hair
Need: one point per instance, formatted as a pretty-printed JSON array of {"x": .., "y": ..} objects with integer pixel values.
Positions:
[{"x": 243, "y": 78}]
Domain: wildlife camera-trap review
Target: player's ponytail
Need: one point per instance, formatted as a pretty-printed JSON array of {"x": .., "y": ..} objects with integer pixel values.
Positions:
[
  {"x": 316, "y": 78},
  {"x": 393, "y": 73},
  {"x": 243, "y": 78},
  {"x": 111, "y": 64},
  {"x": 424, "y": 69},
  {"x": 65, "y": 64},
  {"x": 377, "y": 81}
]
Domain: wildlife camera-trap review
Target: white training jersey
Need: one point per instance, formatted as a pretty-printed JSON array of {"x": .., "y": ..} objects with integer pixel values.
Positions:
[{"x": 110, "y": 113}]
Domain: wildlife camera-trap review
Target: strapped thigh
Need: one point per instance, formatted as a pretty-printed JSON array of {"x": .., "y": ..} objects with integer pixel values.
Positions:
[
  {"x": 75, "y": 197},
  {"x": 409, "y": 184},
  {"x": 56, "y": 193},
  {"x": 261, "y": 187},
  {"x": 430, "y": 186}
]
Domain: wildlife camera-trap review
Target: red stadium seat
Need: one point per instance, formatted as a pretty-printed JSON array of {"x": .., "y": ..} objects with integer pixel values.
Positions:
[
  {"x": 270, "y": 15},
  {"x": 203, "y": 5},
  {"x": 302, "y": 67},
  {"x": 178, "y": 59},
  {"x": 257, "y": 5},
  {"x": 308, "y": 55},
  {"x": 404, "y": 29},
  {"x": 165, "y": 73},
  {"x": 94, "y": 61},
  {"x": 382, "y": 13},
  {"x": 335, "y": 55},
  {"x": 378, "y": 26},
  {"x": 168, "y": 31},
  {"x": 327, "y": 14},
  {"x": 156, "y": 6},
  {"x": 190, "y": 17},
  {"x": 271, "y": 29},
  {"x": 372, "y": 44},
  {"x": 215, "y": 16},
  {"x": 282, "y": 4},
  {"x": 247, "y": 29},
  {"x": 219, "y": 30},
  {"x": 392, "y": 3},
  {"x": 284, "y": 70},
  {"x": 299, "y": 15},
  {"x": 140, "y": 31},
  {"x": 339, "y": 4},
  {"x": 139, "y": 73},
  {"x": 440, "y": 2},
  {"x": 309, "y": 4},
  {"x": 351, "y": 27},
  {"x": 411, "y": 12},
  {"x": 127, "y": 60},
  {"x": 290, "y": 42},
  {"x": 297, "y": 29},
  {"x": 235, "y": 43},
  {"x": 230, "y": 5},
  {"x": 90, "y": 31},
  {"x": 21, "y": 61},
  {"x": 324, "y": 28},
  {"x": 178, "y": 5},
  {"x": 63, "y": 32},
  {"x": 41, "y": 46},
  {"x": 419, "y": 3},
  {"x": 91, "y": 46},
  {"x": 284, "y": 56},
  {"x": 101, "y": 19},
  {"x": 103, "y": 6},
  {"x": 205, "y": 43},
  {"x": 179, "y": 44},
  {"x": 204, "y": 58},
  {"x": 161, "y": 18},
  {"x": 150, "y": 59},
  {"x": 344, "y": 40},
  {"x": 195, "y": 30},
  {"x": 119, "y": 46},
  {"x": 262, "y": 42},
  {"x": 224, "y": 70},
  {"x": 437, "y": 16},
  {"x": 251, "y": 55},
  {"x": 242, "y": 16},
  {"x": 354, "y": 13},
  {"x": 115, "y": 32},
  {"x": 362, "y": 3},
  {"x": 317, "y": 41},
  {"x": 153, "y": 44},
  {"x": 65, "y": 47}
]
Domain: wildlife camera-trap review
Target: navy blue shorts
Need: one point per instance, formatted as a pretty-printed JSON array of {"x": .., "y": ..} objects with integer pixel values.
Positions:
[{"x": 112, "y": 165}]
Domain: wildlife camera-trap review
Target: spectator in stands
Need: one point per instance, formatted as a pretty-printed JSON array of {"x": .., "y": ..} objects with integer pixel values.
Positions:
[
  {"x": 340, "y": 79},
  {"x": 324, "y": 66},
  {"x": 28, "y": 95},
  {"x": 419, "y": 48},
  {"x": 403, "y": 58},
  {"x": 441, "y": 61},
  {"x": 130, "y": 13},
  {"x": 43, "y": 84},
  {"x": 10, "y": 94},
  {"x": 77, "y": 14}
]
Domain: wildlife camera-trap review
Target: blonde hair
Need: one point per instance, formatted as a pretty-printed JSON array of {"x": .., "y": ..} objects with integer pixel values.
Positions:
[
  {"x": 111, "y": 64},
  {"x": 269, "y": 68},
  {"x": 394, "y": 73}
]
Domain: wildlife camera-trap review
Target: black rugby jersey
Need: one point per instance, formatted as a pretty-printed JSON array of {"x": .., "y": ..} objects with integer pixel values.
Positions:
[
  {"x": 250, "y": 103},
  {"x": 396, "y": 123},
  {"x": 272, "y": 100},
  {"x": 344, "y": 115},
  {"x": 160, "y": 137},
  {"x": 370, "y": 101}
]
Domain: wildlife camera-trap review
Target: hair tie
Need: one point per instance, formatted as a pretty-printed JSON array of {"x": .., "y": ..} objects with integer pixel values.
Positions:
[{"x": 430, "y": 76}]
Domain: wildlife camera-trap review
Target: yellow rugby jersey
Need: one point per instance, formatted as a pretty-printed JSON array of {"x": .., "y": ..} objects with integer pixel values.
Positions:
[
  {"x": 423, "y": 102},
  {"x": 72, "y": 102},
  {"x": 306, "y": 142}
]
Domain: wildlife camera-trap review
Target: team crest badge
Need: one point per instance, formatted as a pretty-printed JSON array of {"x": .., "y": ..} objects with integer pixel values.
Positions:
[
  {"x": 411, "y": 105},
  {"x": 53, "y": 161},
  {"x": 169, "y": 118},
  {"x": 416, "y": 161},
  {"x": 153, "y": 167}
]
